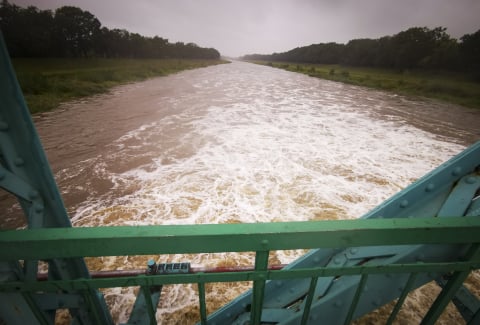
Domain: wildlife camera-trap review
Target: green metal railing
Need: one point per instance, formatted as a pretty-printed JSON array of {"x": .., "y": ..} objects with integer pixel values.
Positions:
[{"x": 46, "y": 244}]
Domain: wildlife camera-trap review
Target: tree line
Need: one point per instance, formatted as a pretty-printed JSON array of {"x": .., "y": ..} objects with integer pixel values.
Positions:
[
  {"x": 416, "y": 47},
  {"x": 72, "y": 32}
]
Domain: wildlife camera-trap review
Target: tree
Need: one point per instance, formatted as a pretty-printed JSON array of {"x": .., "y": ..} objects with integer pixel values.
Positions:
[
  {"x": 417, "y": 45},
  {"x": 361, "y": 52},
  {"x": 27, "y": 31},
  {"x": 470, "y": 50},
  {"x": 9, "y": 23},
  {"x": 76, "y": 31},
  {"x": 445, "y": 55}
]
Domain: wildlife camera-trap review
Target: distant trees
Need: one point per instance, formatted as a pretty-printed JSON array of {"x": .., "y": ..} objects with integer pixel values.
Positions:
[
  {"x": 413, "y": 48},
  {"x": 362, "y": 52},
  {"x": 470, "y": 52},
  {"x": 416, "y": 47},
  {"x": 26, "y": 31},
  {"x": 73, "y": 32},
  {"x": 316, "y": 53}
]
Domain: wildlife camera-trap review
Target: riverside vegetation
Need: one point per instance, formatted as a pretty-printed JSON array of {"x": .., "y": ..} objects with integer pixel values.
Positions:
[
  {"x": 448, "y": 86},
  {"x": 48, "y": 82}
]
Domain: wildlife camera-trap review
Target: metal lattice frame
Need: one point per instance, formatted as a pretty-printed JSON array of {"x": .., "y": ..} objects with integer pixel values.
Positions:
[{"x": 25, "y": 172}]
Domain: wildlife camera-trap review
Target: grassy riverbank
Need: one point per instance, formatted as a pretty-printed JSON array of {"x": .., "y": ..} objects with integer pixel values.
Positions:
[
  {"x": 446, "y": 86},
  {"x": 48, "y": 82}
]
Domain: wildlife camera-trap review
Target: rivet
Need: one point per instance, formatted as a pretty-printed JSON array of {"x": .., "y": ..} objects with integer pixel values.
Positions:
[
  {"x": 39, "y": 208},
  {"x": 430, "y": 187},
  {"x": 261, "y": 276},
  {"x": 3, "y": 126},
  {"x": 404, "y": 204},
  {"x": 33, "y": 195},
  {"x": 353, "y": 251},
  {"x": 338, "y": 304},
  {"x": 265, "y": 242},
  {"x": 380, "y": 217},
  {"x": 278, "y": 283},
  {"x": 456, "y": 171},
  {"x": 365, "y": 288},
  {"x": 313, "y": 317},
  {"x": 470, "y": 180},
  {"x": 316, "y": 259},
  {"x": 229, "y": 315},
  {"x": 337, "y": 260},
  {"x": 420, "y": 257},
  {"x": 244, "y": 305},
  {"x": 18, "y": 161}
]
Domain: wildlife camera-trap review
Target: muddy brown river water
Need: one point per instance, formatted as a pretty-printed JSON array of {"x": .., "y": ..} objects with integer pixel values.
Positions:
[{"x": 237, "y": 143}]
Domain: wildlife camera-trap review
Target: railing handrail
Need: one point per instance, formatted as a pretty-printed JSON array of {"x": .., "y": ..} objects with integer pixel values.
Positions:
[
  {"x": 48, "y": 243},
  {"x": 262, "y": 237},
  {"x": 253, "y": 275}
]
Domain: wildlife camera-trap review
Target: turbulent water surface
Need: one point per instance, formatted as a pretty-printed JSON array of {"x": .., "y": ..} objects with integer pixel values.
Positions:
[{"x": 239, "y": 143}]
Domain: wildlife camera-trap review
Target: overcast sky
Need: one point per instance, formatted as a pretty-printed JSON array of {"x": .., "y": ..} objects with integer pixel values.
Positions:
[{"x": 254, "y": 26}]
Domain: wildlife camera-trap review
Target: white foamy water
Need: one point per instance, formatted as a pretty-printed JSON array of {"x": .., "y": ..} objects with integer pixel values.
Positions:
[
  {"x": 270, "y": 146},
  {"x": 246, "y": 143}
]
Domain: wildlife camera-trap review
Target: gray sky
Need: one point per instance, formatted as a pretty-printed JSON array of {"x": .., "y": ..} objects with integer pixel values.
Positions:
[{"x": 254, "y": 26}]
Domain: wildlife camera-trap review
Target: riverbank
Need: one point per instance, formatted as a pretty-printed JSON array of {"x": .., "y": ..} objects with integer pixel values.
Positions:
[
  {"x": 450, "y": 87},
  {"x": 48, "y": 82}
]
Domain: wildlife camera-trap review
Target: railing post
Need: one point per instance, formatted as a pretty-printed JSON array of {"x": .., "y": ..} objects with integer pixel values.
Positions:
[
  {"x": 308, "y": 302},
  {"x": 261, "y": 264},
  {"x": 203, "y": 306},
  {"x": 401, "y": 299},
  {"x": 356, "y": 298},
  {"x": 450, "y": 289}
]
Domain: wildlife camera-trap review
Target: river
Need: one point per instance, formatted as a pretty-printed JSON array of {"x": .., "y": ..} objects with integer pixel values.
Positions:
[{"x": 239, "y": 143}]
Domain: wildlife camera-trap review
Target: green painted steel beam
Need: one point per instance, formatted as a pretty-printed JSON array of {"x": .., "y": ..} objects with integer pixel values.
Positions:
[
  {"x": 143, "y": 240},
  {"x": 25, "y": 172},
  {"x": 158, "y": 280}
]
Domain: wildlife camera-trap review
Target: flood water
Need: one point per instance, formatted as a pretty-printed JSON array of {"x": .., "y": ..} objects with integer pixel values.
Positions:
[{"x": 239, "y": 143}]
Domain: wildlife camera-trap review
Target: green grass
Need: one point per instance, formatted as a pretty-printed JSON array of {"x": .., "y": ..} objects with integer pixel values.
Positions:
[
  {"x": 450, "y": 87},
  {"x": 48, "y": 82}
]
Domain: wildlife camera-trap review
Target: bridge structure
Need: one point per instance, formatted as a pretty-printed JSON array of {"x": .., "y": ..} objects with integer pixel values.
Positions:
[{"x": 430, "y": 231}]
